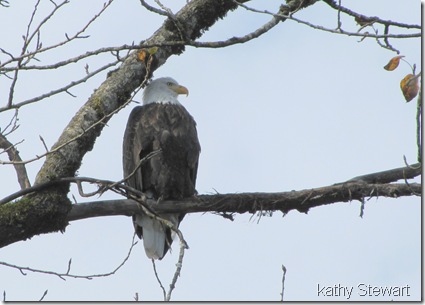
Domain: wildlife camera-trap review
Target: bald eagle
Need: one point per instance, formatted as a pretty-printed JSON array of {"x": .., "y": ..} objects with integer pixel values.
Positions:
[{"x": 162, "y": 123}]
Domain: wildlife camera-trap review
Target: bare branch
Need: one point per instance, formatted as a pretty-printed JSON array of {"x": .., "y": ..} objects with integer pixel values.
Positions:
[
  {"x": 12, "y": 125},
  {"x": 101, "y": 121},
  {"x": 283, "y": 282},
  {"x": 289, "y": 15},
  {"x": 13, "y": 154},
  {"x": 42, "y": 297},
  {"x": 153, "y": 9},
  {"x": 63, "y": 276},
  {"x": 179, "y": 266},
  {"x": 249, "y": 202},
  {"x": 164, "y": 293},
  {"x": 27, "y": 40},
  {"x": 354, "y": 189},
  {"x": 349, "y": 12},
  {"x": 104, "y": 185},
  {"x": 356, "y": 34},
  {"x": 419, "y": 124},
  {"x": 391, "y": 175},
  {"x": 236, "y": 40},
  {"x": 376, "y": 184},
  {"x": 59, "y": 90},
  {"x": 69, "y": 38}
]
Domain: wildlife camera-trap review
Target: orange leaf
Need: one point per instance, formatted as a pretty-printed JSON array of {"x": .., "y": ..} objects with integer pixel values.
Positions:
[
  {"x": 393, "y": 63},
  {"x": 409, "y": 86},
  {"x": 142, "y": 55}
]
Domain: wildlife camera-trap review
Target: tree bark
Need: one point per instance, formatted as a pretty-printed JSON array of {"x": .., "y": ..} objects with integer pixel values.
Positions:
[{"x": 301, "y": 201}]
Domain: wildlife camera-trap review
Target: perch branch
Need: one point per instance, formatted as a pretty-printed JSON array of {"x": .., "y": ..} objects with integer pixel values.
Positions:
[{"x": 249, "y": 202}]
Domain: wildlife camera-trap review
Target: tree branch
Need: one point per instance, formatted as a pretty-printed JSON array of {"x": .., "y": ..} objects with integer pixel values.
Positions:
[
  {"x": 301, "y": 201},
  {"x": 63, "y": 276},
  {"x": 334, "y": 5},
  {"x": 13, "y": 154},
  {"x": 358, "y": 188},
  {"x": 391, "y": 175}
]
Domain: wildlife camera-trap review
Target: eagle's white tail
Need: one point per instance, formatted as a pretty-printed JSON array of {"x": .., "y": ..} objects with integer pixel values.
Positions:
[{"x": 155, "y": 234}]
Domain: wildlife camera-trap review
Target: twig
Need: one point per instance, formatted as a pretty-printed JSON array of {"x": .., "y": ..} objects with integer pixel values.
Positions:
[
  {"x": 69, "y": 38},
  {"x": 59, "y": 90},
  {"x": 349, "y": 12},
  {"x": 283, "y": 282},
  {"x": 42, "y": 297},
  {"x": 143, "y": 160},
  {"x": 12, "y": 125},
  {"x": 27, "y": 40},
  {"x": 419, "y": 125},
  {"x": 13, "y": 154},
  {"x": 100, "y": 121},
  {"x": 362, "y": 206},
  {"x": 153, "y": 9},
  {"x": 179, "y": 266},
  {"x": 339, "y": 30},
  {"x": 158, "y": 279},
  {"x": 392, "y": 175},
  {"x": 106, "y": 184},
  {"x": 339, "y": 23},
  {"x": 63, "y": 276}
]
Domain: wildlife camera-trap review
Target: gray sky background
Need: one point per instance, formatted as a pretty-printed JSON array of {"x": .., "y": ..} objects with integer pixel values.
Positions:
[{"x": 297, "y": 108}]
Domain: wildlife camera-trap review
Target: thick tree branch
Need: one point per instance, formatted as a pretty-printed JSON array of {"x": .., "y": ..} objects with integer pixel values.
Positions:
[
  {"x": 301, "y": 201},
  {"x": 358, "y": 188}
]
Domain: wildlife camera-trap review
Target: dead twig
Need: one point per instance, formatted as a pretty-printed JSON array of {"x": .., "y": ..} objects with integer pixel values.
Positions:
[{"x": 63, "y": 276}]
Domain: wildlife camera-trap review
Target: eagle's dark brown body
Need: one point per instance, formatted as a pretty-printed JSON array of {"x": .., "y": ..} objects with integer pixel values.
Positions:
[{"x": 171, "y": 174}]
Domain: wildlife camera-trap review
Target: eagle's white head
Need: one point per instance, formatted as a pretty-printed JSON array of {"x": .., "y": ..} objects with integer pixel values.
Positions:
[{"x": 163, "y": 90}]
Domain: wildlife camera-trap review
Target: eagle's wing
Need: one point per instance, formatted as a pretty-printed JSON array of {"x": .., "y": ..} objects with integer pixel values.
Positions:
[{"x": 132, "y": 147}]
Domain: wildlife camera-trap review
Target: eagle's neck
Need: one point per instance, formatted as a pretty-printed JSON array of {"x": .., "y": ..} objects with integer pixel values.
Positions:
[{"x": 160, "y": 98}]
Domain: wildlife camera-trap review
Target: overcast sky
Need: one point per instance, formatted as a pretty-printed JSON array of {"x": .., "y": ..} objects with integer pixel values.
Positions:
[{"x": 297, "y": 108}]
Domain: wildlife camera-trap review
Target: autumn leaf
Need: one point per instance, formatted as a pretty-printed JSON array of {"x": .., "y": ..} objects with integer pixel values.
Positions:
[
  {"x": 393, "y": 63},
  {"x": 409, "y": 86},
  {"x": 142, "y": 55}
]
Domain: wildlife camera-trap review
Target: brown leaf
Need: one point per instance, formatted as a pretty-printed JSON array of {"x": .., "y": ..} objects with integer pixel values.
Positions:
[
  {"x": 142, "y": 55},
  {"x": 409, "y": 86},
  {"x": 393, "y": 63}
]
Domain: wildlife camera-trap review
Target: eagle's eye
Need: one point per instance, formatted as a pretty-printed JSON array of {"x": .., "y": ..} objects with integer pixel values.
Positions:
[{"x": 169, "y": 84}]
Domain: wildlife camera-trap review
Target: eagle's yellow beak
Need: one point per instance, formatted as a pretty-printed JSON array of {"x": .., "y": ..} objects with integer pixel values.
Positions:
[{"x": 182, "y": 90}]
